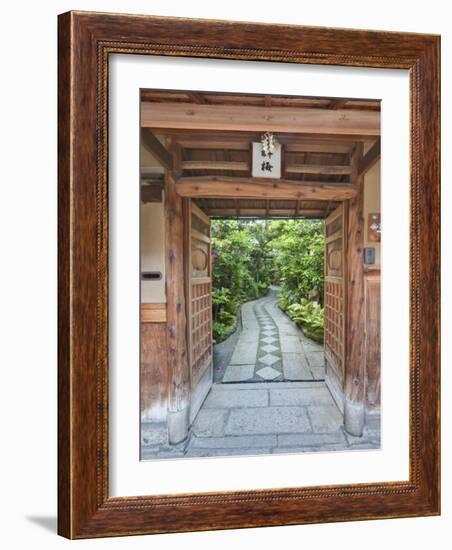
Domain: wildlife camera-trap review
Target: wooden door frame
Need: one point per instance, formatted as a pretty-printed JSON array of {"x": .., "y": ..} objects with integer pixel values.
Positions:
[{"x": 350, "y": 401}]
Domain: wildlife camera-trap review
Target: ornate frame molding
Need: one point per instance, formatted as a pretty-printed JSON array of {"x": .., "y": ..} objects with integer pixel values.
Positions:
[{"x": 85, "y": 42}]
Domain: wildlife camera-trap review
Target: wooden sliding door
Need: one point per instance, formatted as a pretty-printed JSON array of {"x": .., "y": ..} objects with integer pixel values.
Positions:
[
  {"x": 335, "y": 291},
  {"x": 198, "y": 277}
]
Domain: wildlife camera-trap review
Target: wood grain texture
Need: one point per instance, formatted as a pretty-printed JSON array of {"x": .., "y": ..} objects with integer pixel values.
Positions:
[
  {"x": 373, "y": 337},
  {"x": 223, "y": 186},
  {"x": 178, "y": 367},
  {"x": 355, "y": 383},
  {"x": 153, "y": 372},
  {"x": 370, "y": 158},
  {"x": 64, "y": 294},
  {"x": 260, "y": 119},
  {"x": 153, "y": 313},
  {"x": 335, "y": 298},
  {"x": 85, "y": 41}
]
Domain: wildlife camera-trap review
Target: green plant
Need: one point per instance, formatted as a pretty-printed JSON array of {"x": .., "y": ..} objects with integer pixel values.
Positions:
[
  {"x": 249, "y": 256},
  {"x": 309, "y": 317}
]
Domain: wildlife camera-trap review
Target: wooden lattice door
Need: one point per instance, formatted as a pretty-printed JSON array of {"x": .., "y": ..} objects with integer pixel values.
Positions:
[
  {"x": 198, "y": 276},
  {"x": 335, "y": 302}
]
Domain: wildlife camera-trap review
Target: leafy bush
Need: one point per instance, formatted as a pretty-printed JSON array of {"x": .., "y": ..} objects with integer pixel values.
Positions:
[
  {"x": 309, "y": 317},
  {"x": 240, "y": 272},
  {"x": 249, "y": 256}
]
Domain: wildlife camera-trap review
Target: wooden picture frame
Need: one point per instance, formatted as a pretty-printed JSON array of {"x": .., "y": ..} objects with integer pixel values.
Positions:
[{"x": 85, "y": 508}]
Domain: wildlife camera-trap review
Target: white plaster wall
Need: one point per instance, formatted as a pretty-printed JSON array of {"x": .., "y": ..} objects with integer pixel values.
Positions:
[{"x": 152, "y": 252}]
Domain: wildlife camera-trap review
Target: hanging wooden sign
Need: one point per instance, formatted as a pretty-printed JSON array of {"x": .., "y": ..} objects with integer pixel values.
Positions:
[{"x": 266, "y": 164}]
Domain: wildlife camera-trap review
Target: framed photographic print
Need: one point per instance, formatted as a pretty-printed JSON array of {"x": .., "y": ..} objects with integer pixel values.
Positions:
[{"x": 243, "y": 341}]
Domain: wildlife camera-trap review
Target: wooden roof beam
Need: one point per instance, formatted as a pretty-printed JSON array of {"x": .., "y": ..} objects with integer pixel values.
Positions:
[
  {"x": 325, "y": 147},
  {"x": 260, "y": 119},
  {"x": 324, "y": 169},
  {"x": 214, "y": 165},
  {"x": 262, "y": 188},
  {"x": 159, "y": 151},
  {"x": 262, "y": 213},
  {"x": 197, "y": 97},
  {"x": 240, "y": 143},
  {"x": 370, "y": 158},
  {"x": 337, "y": 104},
  {"x": 151, "y": 193},
  {"x": 221, "y": 143}
]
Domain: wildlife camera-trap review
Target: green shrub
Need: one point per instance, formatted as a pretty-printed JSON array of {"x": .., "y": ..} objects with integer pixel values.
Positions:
[
  {"x": 309, "y": 317},
  {"x": 249, "y": 256}
]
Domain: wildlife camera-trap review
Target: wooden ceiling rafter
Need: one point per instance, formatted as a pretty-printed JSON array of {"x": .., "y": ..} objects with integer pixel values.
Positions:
[
  {"x": 212, "y": 165},
  {"x": 216, "y": 186},
  {"x": 198, "y": 98},
  {"x": 262, "y": 213},
  {"x": 222, "y": 165},
  {"x": 225, "y": 98},
  {"x": 264, "y": 208},
  {"x": 370, "y": 158},
  {"x": 222, "y": 118},
  {"x": 153, "y": 145}
]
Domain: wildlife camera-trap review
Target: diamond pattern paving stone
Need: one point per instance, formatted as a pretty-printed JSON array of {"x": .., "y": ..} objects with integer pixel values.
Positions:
[
  {"x": 269, "y": 340},
  {"x": 268, "y": 359},
  {"x": 269, "y": 332},
  {"x": 269, "y": 348},
  {"x": 268, "y": 373}
]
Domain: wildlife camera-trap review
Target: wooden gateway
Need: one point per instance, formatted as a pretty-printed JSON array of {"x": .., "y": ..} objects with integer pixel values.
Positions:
[{"x": 196, "y": 163}]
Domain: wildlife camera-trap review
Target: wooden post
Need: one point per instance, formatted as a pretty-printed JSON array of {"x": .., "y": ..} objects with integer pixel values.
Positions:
[
  {"x": 354, "y": 383},
  {"x": 179, "y": 388}
]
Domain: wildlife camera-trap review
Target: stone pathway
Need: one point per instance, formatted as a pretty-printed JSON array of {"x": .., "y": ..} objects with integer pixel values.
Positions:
[
  {"x": 272, "y": 348},
  {"x": 261, "y": 418},
  {"x": 271, "y": 397}
]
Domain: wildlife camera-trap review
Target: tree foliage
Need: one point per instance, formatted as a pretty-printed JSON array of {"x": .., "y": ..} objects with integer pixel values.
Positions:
[{"x": 249, "y": 256}]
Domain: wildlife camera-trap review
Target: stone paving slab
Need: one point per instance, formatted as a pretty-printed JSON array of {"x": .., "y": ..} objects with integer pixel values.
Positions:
[
  {"x": 268, "y": 420},
  {"x": 310, "y": 449},
  {"x": 226, "y": 452},
  {"x": 153, "y": 433},
  {"x": 295, "y": 367},
  {"x": 244, "y": 354},
  {"x": 267, "y": 385},
  {"x": 238, "y": 373},
  {"x": 248, "y": 336},
  {"x": 311, "y": 439},
  {"x": 301, "y": 397},
  {"x": 310, "y": 345},
  {"x": 316, "y": 358},
  {"x": 235, "y": 442},
  {"x": 246, "y": 419},
  {"x": 244, "y": 398},
  {"x": 210, "y": 422},
  {"x": 318, "y": 373},
  {"x": 290, "y": 344},
  {"x": 325, "y": 418}
]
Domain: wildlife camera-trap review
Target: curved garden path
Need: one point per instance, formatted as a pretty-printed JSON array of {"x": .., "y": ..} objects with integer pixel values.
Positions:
[{"x": 272, "y": 348}]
